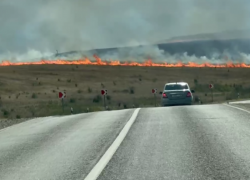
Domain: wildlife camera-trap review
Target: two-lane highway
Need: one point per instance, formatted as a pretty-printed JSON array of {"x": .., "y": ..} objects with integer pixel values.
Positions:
[{"x": 181, "y": 142}]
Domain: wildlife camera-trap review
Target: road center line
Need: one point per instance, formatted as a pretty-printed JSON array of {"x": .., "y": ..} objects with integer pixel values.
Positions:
[
  {"x": 237, "y": 108},
  {"x": 101, "y": 164}
]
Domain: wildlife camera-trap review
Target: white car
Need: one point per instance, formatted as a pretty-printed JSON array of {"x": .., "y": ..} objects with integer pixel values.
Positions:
[{"x": 177, "y": 93}]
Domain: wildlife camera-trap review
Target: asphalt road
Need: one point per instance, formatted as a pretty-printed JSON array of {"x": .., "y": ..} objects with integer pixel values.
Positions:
[
  {"x": 58, "y": 148},
  {"x": 181, "y": 142}
]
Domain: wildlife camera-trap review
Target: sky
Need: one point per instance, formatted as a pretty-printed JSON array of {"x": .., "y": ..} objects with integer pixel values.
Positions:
[{"x": 65, "y": 25}]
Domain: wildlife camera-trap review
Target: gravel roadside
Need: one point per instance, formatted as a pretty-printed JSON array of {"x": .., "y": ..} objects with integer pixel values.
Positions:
[{"x": 9, "y": 122}]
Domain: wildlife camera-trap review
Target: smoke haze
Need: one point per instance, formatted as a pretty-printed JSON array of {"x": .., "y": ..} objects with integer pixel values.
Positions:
[{"x": 37, "y": 28}]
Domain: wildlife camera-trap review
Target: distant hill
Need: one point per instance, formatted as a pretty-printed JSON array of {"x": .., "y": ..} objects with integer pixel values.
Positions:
[
  {"x": 226, "y": 35},
  {"x": 231, "y": 42}
]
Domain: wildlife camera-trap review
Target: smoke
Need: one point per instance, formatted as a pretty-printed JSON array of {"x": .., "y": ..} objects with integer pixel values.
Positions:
[
  {"x": 138, "y": 54},
  {"x": 31, "y": 55},
  {"x": 34, "y": 29}
]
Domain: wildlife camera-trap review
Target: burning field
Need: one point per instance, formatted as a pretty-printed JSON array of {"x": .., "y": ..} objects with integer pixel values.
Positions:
[
  {"x": 146, "y": 63},
  {"x": 30, "y": 91}
]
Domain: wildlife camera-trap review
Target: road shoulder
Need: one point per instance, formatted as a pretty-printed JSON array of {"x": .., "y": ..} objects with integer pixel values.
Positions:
[{"x": 245, "y": 106}]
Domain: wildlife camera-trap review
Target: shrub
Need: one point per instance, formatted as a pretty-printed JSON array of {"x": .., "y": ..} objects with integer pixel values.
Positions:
[
  {"x": 40, "y": 83},
  {"x": 195, "y": 81},
  {"x": 76, "y": 85},
  {"x": 103, "y": 86},
  {"x": 125, "y": 106},
  {"x": 79, "y": 91},
  {"x": 18, "y": 116},
  {"x": 69, "y": 80},
  {"x": 53, "y": 91},
  {"x": 108, "y": 97},
  {"x": 72, "y": 100},
  {"x": 89, "y": 90},
  {"x": 131, "y": 90},
  {"x": 114, "y": 83},
  {"x": 34, "y": 96},
  {"x": 97, "y": 99},
  {"x": 58, "y": 79},
  {"x": 5, "y": 112},
  {"x": 238, "y": 88}
]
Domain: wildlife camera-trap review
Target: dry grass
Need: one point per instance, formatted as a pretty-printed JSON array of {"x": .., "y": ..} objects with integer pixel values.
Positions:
[{"x": 33, "y": 90}]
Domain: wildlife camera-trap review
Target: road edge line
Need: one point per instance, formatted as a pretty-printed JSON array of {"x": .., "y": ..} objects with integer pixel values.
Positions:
[
  {"x": 101, "y": 164},
  {"x": 237, "y": 108}
]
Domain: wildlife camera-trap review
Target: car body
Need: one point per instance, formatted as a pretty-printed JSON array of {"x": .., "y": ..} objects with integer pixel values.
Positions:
[{"x": 177, "y": 93}]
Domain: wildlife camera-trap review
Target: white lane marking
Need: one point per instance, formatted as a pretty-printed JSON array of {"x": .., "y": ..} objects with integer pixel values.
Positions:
[
  {"x": 237, "y": 108},
  {"x": 98, "y": 168}
]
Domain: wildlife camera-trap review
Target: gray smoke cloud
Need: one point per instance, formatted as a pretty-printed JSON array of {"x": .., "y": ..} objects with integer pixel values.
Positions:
[{"x": 35, "y": 28}]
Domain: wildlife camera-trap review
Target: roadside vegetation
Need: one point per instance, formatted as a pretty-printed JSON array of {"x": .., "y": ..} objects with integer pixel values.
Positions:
[{"x": 33, "y": 91}]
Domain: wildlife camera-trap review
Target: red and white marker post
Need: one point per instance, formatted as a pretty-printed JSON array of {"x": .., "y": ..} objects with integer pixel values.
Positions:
[
  {"x": 211, "y": 86},
  {"x": 61, "y": 96},
  {"x": 104, "y": 92},
  {"x": 154, "y": 92}
]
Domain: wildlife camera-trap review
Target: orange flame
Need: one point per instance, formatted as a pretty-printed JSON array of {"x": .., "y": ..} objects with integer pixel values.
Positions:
[{"x": 149, "y": 62}]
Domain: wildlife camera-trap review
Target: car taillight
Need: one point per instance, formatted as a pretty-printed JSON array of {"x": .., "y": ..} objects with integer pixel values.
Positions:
[
  {"x": 164, "y": 95},
  {"x": 189, "y": 94}
]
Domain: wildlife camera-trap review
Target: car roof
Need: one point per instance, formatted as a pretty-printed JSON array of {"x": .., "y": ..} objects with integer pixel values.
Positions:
[{"x": 181, "y": 83}]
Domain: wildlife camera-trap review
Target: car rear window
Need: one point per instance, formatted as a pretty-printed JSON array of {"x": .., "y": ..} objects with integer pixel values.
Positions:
[{"x": 175, "y": 87}]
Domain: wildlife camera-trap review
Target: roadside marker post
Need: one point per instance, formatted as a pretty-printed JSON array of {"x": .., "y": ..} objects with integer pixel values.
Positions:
[
  {"x": 104, "y": 92},
  {"x": 211, "y": 86},
  {"x": 61, "y": 96},
  {"x": 154, "y": 92}
]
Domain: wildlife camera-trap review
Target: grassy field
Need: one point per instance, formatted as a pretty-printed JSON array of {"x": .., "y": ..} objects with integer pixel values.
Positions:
[{"x": 31, "y": 91}]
